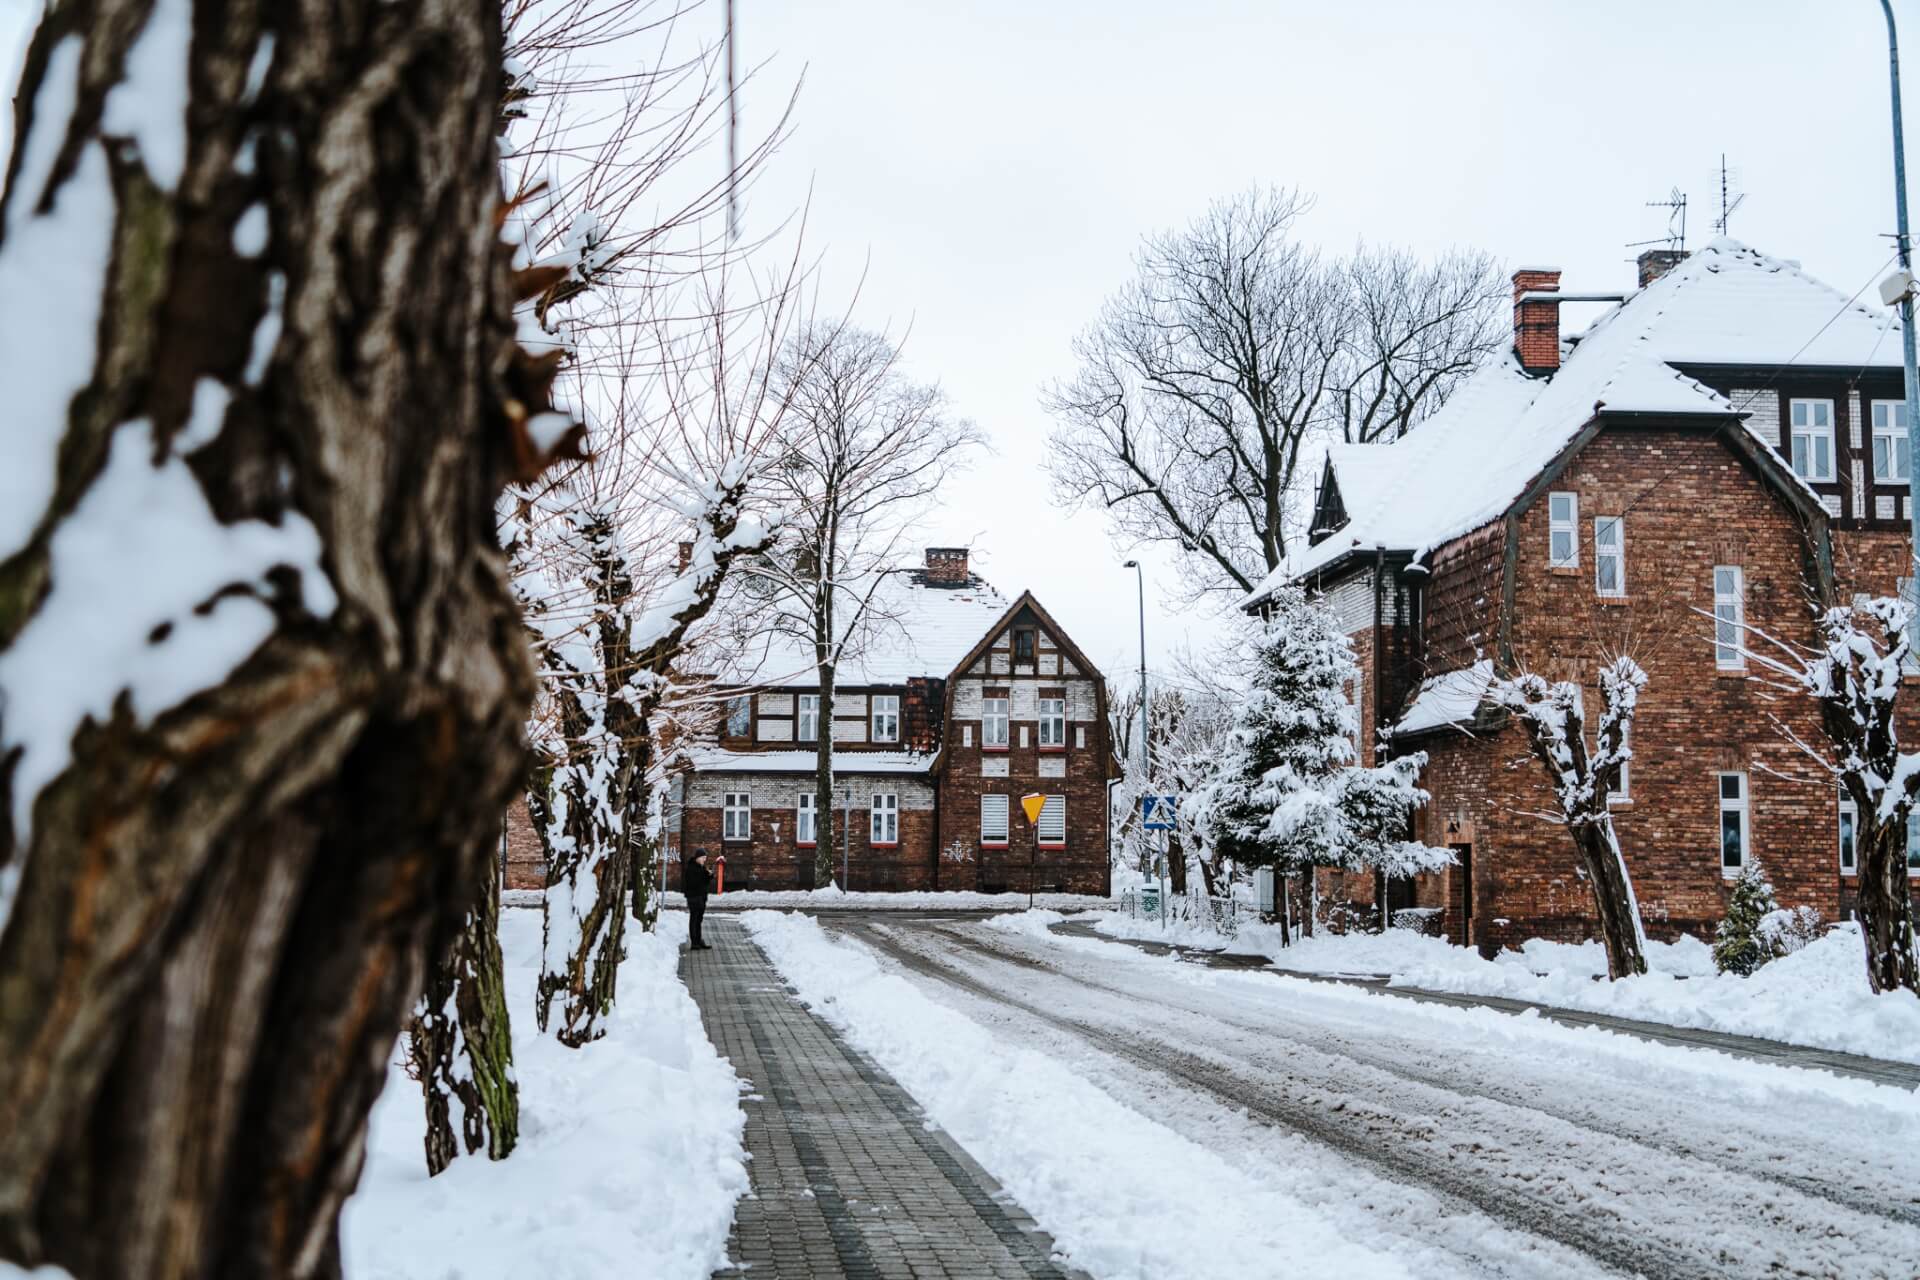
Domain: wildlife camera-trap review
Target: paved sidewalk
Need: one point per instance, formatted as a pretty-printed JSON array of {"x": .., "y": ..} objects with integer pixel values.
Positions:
[
  {"x": 849, "y": 1177},
  {"x": 1903, "y": 1075}
]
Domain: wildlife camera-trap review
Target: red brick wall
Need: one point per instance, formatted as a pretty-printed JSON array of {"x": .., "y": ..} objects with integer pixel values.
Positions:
[
  {"x": 526, "y": 865},
  {"x": 1689, "y": 504},
  {"x": 770, "y": 863}
]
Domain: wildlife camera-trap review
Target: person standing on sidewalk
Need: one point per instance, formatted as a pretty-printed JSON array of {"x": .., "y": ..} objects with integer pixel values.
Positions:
[{"x": 696, "y": 882}]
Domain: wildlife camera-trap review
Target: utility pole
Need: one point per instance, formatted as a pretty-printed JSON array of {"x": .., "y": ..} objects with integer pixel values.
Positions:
[
  {"x": 1140, "y": 580},
  {"x": 1904, "y": 245}
]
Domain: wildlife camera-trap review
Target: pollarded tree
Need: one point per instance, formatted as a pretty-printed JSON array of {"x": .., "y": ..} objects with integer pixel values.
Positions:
[
  {"x": 1856, "y": 674},
  {"x": 1287, "y": 792},
  {"x": 1554, "y": 718},
  {"x": 264, "y": 682}
]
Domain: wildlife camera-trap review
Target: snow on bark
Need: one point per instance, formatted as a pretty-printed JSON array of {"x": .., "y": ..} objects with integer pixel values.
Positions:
[
  {"x": 460, "y": 1045},
  {"x": 1287, "y": 792},
  {"x": 1856, "y": 673},
  {"x": 1553, "y": 715}
]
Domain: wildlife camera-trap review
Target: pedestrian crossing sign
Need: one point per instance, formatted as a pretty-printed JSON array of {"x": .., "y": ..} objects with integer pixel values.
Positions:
[{"x": 1159, "y": 813}]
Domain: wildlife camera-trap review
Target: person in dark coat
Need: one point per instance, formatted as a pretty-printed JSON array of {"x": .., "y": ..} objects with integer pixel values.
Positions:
[{"x": 696, "y": 882}]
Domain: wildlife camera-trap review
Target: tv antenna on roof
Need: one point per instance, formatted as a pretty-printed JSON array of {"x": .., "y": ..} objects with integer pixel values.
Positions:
[
  {"x": 1676, "y": 237},
  {"x": 1729, "y": 199}
]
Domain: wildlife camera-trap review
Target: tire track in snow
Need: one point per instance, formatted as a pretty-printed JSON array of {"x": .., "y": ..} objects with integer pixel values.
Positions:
[
  {"x": 1562, "y": 1107},
  {"x": 1469, "y": 1153}
]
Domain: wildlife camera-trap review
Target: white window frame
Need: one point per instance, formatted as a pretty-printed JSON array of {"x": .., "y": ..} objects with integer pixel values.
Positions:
[
  {"x": 1616, "y": 554},
  {"x": 1053, "y": 724},
  {"x": 1623, "y": 794},
  {"x": 742, "y": 700},
  {"x": 995, "y": 830},
  {"x": 1742, "y": 804},
  {"x": 1847, "y": 835},
  {"x": 736, "y": 817},
  {"x": 806, "y": 826},
  {"x": 884, "y": 717},
  {"x": 883, "y": 821},
  {"x": 1730, "y": 616},
  {"x": 993, "y": 723},
  {"x": 1813, "y": 434},
  {"x": 1888, "y": 427},
  {"x": 1913, "y": 843},
  {"x": 1053, "y": 817},
  {"x": 1569, "y": 525},
  {"x": 806, "y": 717}
]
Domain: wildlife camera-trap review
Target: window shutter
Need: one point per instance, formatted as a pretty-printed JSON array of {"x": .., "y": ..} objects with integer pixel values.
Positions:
[
  {"x": 1053, "y": 820},
  {"x": 993, "y": 819}
]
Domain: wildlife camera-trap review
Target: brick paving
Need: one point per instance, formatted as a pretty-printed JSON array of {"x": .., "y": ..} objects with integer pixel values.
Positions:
[{"x": 849, "y": 1176}]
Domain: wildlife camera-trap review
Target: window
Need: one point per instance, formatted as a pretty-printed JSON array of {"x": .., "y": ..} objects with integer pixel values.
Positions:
[
  {"x": 1729, "y": 616},
  {"x": 886, "y": 717},
  {"x": 736, "y": 816},
  {"x": 740, "y": 717},
  {"x": 1023, "y": 645},
  {"x": 885, "y": 828},
  {"x": 1733, "y": 823},
  {"x": 806, "y": 726},
  {"x": 1622, "y": 790},
  {"x": 1563, "y": 521},
  {"x": 993, "y": 724},
  {"x": 804, "y": 826},
  {"x": 993, "y": 821},
  {"x": 1053, "y": 823},
  {"x": 1913, "y": 843},
  {"x": 1892, "y": 458},
  {"x": 1849, "y": 852},
  {"x": 1053, "y": 724},
  {"x": 1810, "y": 434},
  {"x": 1610, "y": 555}
]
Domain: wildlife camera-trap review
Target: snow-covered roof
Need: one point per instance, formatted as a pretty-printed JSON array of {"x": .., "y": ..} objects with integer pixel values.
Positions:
[
  {"x": 918, "y": 630},
  {"x": 1452, "y": 697},
  {"x": 1727, "y": 304},
  {"x": 846, "y": 761}
]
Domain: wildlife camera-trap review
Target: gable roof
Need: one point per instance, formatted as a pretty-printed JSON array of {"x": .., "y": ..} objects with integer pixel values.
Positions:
[
  {"x": 1026, "y": 601},
  {"x": 920, "y": 630},
  {"x": 1728, "y": 304}
]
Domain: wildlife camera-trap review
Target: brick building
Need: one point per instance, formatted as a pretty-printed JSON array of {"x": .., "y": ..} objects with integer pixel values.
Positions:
[
  {"x": 1721, "y": 448},
  {"x": 962, "y": 703}
]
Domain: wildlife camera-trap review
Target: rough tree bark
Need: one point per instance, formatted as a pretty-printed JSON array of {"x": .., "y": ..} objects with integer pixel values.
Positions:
[
  {"x": 224, "y": 901},
  {"x": 1555, "y": 724},
  {"x": 460, "y": 1044}
]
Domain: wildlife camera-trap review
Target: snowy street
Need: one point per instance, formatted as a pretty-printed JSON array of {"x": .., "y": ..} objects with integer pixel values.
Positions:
[{"x": 1163, "y": 1119}]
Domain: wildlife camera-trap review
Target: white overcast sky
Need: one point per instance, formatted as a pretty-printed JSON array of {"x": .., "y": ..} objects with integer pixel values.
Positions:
[{"x": 991, "y": 165}]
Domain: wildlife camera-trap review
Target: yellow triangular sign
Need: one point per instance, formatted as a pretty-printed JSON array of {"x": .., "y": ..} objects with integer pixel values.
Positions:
[{"x": 1033, "y": 804}]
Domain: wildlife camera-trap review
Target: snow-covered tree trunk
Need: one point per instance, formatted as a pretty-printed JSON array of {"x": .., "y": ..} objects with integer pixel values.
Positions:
[
  {"x": 1555, "y": 724},
  {"x": 643, "y": 829},
  {"x": 460, "y": 1044},
  {"x": 263, "y": 682}
]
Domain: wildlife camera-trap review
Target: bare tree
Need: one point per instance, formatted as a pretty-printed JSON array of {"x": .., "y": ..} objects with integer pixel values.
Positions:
[
  {"x": 1856, "y": 674},
  {"x": 1554, "y": 718},
  {"x": 264, "y": 686},
  {"x": 1189, "y": 727},
  {"x": 863, "y": 451},
  {"x": 1204, "y": 379}
]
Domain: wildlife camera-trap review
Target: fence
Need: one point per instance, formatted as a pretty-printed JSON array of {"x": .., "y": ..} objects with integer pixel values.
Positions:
[{"x": 1200, "y": 910}]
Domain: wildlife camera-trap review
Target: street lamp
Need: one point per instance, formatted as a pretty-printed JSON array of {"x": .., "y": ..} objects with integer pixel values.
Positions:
[
  {"x": 1140, "y": 579},
  {"x": 1905, "y": 288}
]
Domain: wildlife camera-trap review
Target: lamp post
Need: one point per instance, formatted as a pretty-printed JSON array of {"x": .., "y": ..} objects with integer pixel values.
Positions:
[
  {"x": 1904, "y": 245},
  {"x": 1140, "y": 581}
]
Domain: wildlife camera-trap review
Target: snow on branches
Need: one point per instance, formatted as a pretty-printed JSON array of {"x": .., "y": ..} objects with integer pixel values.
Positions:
[
  {"x": 1554, "y": 717},
  {"x": 1855, "y": 672},
  {"x": 1287, "y": 792}
]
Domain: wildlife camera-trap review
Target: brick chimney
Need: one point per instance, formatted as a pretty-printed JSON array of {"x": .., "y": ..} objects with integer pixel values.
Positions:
[
  {"x": 1536, "y": 321},
  {"x": 1655, "y": 263},
  {"x": 947, "y": 567}
]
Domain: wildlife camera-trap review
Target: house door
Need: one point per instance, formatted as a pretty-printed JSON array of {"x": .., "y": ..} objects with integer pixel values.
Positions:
[{"x": 1460, "y": 895}]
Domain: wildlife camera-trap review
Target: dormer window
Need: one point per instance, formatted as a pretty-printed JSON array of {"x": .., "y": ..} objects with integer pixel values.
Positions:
[{"x": 1810, "y": 438}]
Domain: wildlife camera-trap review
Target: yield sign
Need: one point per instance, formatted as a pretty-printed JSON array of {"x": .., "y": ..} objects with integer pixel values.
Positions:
[{"x": 1033, "y": 804}]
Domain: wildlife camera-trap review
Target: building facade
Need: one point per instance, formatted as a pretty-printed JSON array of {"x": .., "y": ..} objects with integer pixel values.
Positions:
[
  {"x": 961, "y": 704},
  {"x": 1718, "y": 454}
]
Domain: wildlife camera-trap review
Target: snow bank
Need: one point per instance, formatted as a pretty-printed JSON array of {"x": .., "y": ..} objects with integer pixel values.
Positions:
[
  {"x": 1817, "y": 996},
  {"x": 1124, "y": 1197},
  {"x": 630, "y": 1156},
  {"x": 833, "y": 899}
]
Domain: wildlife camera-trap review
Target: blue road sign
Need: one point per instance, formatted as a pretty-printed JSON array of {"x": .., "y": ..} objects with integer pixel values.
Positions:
[{"x": 1159, "y": 813}]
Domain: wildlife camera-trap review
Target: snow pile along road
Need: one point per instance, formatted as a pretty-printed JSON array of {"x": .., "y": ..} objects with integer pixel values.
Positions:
[
  {"x": 833, "y": 899},
  {"x": 630, "y": 1155},
  {"x": 1125, "y": 1197}
]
